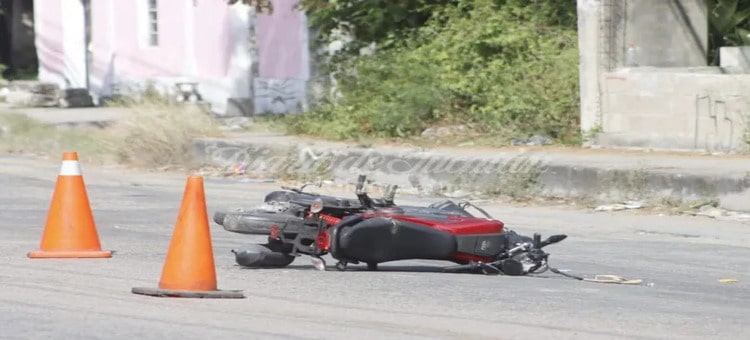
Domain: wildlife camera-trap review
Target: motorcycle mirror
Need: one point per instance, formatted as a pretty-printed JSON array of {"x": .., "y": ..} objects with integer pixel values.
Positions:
[
  {"x": 557, "y": 238},
  {"x": 554, "y": 239},
  {"x": 316, "y": 206}
]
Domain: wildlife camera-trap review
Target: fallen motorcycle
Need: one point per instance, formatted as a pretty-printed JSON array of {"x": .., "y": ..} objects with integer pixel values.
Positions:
[
  {"x": 374, "y": 231},
  {"x": 287, "y": 208}
]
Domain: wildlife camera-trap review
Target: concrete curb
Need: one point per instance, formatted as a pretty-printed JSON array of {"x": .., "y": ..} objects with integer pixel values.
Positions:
[{"x": 512, "y": 173}]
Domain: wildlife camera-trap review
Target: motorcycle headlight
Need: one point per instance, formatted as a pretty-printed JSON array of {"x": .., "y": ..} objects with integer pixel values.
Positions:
[{"x": 316, "y": 206}]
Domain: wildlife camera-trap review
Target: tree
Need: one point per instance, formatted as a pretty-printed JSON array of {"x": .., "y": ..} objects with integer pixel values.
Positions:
[
  {"x": 261, "y": 6},
  {"x": 729, "y": 25}
]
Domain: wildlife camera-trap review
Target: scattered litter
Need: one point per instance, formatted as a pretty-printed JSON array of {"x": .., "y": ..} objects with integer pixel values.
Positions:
[
  {"x": 720, "y": 214},
  {"x": 236, "y": 124},
  {"x": 710, "y": 211},
  {"x": 728, "y": 280},
  {"x": 237, "y": 169},
  {"x": 258, "y": 180},
  {"x": 704, "y": 203},
  {"x": 532, "y": 141},
  {"x": 457, "y": 194},
  {"x": 621, "y": 206},
  {"x": 649, "y": 232},
  {"x": 613, "y": 279}
]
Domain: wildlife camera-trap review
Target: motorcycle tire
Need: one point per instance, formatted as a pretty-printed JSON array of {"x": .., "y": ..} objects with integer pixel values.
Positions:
[
  {"x": 219, "y": 217},
  {"x": 258, "y": 222}
]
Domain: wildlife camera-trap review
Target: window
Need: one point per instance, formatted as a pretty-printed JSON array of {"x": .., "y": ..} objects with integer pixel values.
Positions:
[{"x": 153, "y": 23}]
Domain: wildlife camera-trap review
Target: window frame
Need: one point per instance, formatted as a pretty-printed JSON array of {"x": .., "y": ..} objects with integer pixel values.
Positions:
[{"x": 152, "y": 23}]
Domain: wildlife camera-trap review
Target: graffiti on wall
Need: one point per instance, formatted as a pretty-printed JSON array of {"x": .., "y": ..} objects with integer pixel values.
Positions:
[
  {"x": 279, "y": 95},
  {"x": 720, "y": 122}
]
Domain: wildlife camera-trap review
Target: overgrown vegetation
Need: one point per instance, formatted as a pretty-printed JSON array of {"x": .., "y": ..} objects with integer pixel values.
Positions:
[
  {"x": 21, "y": 134},
  {"x": 729, "y": 25},
  {"x": 506, "y": 68},
  {"x": 158, "y": 135},
  {"x": 153, "y": 135}
]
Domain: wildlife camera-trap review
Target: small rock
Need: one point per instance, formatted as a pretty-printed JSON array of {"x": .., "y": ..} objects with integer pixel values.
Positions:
[{"x": 621, "y": 206}]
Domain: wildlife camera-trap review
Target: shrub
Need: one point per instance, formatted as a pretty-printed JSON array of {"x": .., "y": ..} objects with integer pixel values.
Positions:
[
  {"x": 499, "y": 65},
  {"x": 156, "y": 135}
]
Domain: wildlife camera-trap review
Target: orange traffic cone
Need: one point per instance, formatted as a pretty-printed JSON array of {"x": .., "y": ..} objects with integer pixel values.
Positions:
[
  {"x": 189, "y": 269},
  {"x": 70, "y": 231}
]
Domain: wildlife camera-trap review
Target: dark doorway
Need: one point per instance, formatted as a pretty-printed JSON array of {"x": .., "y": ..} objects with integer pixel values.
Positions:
[
  {"x": 4, "y": 33},
  {"x": 17, "y": 48}
]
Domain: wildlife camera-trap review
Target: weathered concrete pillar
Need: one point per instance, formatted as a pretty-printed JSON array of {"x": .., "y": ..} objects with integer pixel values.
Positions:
[
  {"x": 668, "y": 33},
  {"x": 589, "y": 63}
]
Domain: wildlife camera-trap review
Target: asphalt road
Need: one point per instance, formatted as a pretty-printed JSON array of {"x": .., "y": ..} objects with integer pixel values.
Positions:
[{"x": 680, "y": 260}]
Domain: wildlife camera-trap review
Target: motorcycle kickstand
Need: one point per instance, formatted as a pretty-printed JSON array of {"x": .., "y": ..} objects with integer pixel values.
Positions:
[
  {"x": 488, "y": 269},
  {"x": 318, "y": 263},
  {"x": 341, "y": 265}
]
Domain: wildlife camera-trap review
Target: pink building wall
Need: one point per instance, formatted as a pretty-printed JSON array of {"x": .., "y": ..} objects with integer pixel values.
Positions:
[
  {"x": 49, "y": 38},
  {"x": 279, "y": 36},
  {"x": 201, "y": 40}
]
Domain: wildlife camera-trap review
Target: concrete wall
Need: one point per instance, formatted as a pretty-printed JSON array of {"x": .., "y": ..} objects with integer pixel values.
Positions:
[
  {"x": 675, "y": 110},
  {"x": 672, "y": 100}
]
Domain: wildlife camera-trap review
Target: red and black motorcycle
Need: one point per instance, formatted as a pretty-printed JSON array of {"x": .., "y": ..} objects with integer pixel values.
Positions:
[{"x": 375, "y": 231}]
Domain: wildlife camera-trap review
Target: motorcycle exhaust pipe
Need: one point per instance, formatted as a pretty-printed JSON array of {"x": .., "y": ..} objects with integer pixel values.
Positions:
[{"x": 259, "y": 256}]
